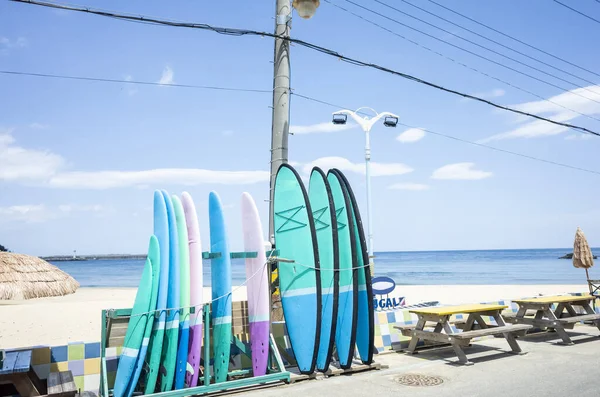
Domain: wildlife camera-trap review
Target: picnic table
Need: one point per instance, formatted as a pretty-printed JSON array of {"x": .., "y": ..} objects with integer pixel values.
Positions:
[
  {"x": 16, "y": 369},
  {"x": 544, "y": 318},
  {"x": 441, "y": 316}
]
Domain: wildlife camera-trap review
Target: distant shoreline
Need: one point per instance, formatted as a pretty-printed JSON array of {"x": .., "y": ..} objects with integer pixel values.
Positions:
[{"x": 68, "y": 258}]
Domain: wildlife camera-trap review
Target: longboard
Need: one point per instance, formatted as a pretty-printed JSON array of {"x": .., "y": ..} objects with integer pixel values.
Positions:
[
  {"x": 169, "y": 356},
  {"x": 299, "y": 282},
  {"x": 137, "y": 324},
  {"x": 196, "y": 289},
  {"x": 365, "y": 330},
  {"x": 257, "y": 286},
  {"x": 323, "y": 209},
  {"x": 184, "y": 295},
  {"x": 161, "y": 231},
  {"x": 220, "y": 273},
  {"x": 345, "y": 333}
]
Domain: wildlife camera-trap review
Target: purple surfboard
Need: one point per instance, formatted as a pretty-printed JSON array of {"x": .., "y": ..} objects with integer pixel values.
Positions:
[
  {"x": 257, "y": 286},
  {"x": 196, "y": 289}
]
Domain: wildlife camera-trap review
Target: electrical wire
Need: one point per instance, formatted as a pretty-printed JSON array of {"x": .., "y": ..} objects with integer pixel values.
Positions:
[
  {"x": 496, "y": 42},
  {"x": 464, "y": 140},
  {"x": 577, "y": 11},
  {"x": 514, "y": 38},
  {"x": 476, "y": 54},
  {"x": 350, "y": 60},
  {"x": 151, "y": 83},
  {"x": 458, "y": 62}
]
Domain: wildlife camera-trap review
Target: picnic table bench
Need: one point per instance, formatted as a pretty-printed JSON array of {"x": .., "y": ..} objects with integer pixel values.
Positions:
[
  {"x": 441, "y": 316},
  {"x": 557, "y": 320},
  {"x": 16, "y": 370}
]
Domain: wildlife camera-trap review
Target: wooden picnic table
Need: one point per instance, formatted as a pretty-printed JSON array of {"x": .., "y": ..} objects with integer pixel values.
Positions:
[
  {"x": 16, "y": 369},
  {"x": 558, "y": 320},
  {"x": 441, "y": 316}
]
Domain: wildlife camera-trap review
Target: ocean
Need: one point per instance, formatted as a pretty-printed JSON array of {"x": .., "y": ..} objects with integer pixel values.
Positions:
[{"x": 523, "y": 266}]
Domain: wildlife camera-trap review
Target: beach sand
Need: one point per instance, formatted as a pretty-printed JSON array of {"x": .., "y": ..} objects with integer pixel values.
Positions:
[{"x": 76, "y": 317}]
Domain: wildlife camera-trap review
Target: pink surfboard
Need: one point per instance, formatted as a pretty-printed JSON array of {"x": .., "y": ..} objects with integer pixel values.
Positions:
[
  {"x": 196, "y": 290},
  {"x": 257, "y": 286}
]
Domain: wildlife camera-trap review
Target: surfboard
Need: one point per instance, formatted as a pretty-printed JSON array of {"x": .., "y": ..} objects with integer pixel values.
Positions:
[
  {"x": 196, "y": 290},
  {"x": 365, "y": 330},
  {"x": 137, "y": 323},
  {"x": 184, "y": 294},
  {"x": 169, "y": 356},
  {"x": 153, "y": 358},
  {"x": 323, "y": 209},
  {"x": 257, "y": 286},
  {"x": 299, "y": 282},
  {"x": 220, "y": 273},
  {"x": 154, "y": 255},
  {"x": 345, "y": 332}
]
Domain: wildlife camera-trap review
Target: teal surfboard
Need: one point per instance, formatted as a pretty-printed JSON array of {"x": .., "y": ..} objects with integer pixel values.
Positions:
[
  {"x": 169, "y": 355},
  {"x": 365, "y": 326},
  {"x": 184, "y": 294},
  {"x": 345, "y": 332},
  {"x": 153, "y": 358},
  {"x": 299, "y": 282},
  {"x": 323, "y": 209},
  {"x": 220, "y": 273},
  {"x": 137, "y": 324}
]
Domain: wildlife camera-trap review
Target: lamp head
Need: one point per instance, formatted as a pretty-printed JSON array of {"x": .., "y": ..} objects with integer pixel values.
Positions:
[{"x": 306, "y": 8}]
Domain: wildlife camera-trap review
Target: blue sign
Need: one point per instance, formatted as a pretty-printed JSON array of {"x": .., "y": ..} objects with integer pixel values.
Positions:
[{"x": 381, "y": 286}]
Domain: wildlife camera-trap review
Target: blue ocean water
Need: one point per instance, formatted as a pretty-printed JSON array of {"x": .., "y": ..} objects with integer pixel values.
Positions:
[{"x": 525, "y": 266}]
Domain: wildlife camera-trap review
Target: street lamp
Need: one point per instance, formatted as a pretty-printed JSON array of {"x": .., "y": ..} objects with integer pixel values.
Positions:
[
  {"x": 306, "y": 8},
  {"x": 391, "y": 120}
]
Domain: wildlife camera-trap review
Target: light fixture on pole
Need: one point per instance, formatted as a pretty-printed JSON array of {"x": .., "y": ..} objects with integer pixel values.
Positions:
[
  {"x": 306, "y": 8},
  {"x": 366, "y": 123}
]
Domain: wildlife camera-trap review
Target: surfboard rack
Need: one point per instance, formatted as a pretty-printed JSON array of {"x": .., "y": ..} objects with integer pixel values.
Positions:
[{"x": 114, "y": 326}]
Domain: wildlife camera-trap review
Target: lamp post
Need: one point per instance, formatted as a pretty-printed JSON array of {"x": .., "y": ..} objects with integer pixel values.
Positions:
[
  {"x": 366, "y": 123},
  {"x": 281, "y": 89}
]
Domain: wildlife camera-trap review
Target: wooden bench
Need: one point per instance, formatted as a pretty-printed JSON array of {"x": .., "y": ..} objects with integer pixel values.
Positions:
[
  {"x": 16, "y": 370},
  {"x": 61, "y": 384},
  {"x": 491, "y": 331},
  {"x": 576, "y": 319}
]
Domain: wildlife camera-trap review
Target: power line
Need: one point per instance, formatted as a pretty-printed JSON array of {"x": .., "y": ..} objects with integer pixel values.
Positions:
[
  {"x": 496, "y": 42},
  {"x": 458, "y": 62},
  {"x": 105, "y": 80},
  {"x": 465, "y": 140},
  {"x": 475, "y": 54},
  {"x": 514, "y": 38},
  {"x": 579, "y": 12},
  {"x": 353, "y": 61}
]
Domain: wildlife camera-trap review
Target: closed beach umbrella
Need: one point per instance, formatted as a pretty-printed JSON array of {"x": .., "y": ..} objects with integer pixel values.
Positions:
[
  {"x": 582, "y": 254},
  {"x": 27, "y": 277}
]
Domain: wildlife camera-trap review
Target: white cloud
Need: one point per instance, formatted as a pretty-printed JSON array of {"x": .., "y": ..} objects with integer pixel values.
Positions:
[
  {"x": 574, "y": 99},
  {"x": 17, "y": 163},
  {"x": 130, "y": 89},
  {"x": 460, "y": 171},
  {"x": 411, "y": 135},
  {"x": 409, "y": 186},
  {"x": 227, "y": 133},
  {"x": 6, "y": 43},
  {"x": 578, "y": 137},
  {"x": 319, "y": 128},
  {"x": 38, "y": 126},
  {"x": 343, "y": 164},
  {"x": 36, "y": 213},
  {"x": 165, "y": 176},
  {"x": 495, "y": 93},
  {"x": 68, "y": 208},
  {"x": 167, "y": 76}
]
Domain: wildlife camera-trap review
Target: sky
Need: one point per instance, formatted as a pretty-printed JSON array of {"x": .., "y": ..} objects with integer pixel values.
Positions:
[{"x": 79, "y": 160}]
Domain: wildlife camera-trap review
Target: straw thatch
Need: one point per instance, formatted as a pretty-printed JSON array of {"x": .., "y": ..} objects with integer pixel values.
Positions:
[
  {"x": 582, "y": 254},
  {"x": 27, "y": 277}
]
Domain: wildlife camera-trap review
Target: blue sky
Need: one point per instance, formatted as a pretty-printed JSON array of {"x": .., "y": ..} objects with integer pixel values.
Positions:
[{"x": 79, "y": 160}]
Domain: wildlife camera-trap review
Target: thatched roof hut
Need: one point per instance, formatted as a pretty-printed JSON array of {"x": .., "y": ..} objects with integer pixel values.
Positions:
[{"x": 27, "y": 277}]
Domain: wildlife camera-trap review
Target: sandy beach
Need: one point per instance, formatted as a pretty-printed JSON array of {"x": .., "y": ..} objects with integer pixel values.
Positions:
[{"x": 76, "y": 318}]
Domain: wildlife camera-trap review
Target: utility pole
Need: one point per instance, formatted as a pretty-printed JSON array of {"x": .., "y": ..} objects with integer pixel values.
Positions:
[{"x": 281, "y": 101}]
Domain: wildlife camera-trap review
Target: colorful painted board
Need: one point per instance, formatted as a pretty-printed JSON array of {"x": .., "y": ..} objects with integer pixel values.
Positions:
[
  {"x": 220, "y": 272},
  {"x": 169, "y": 356},
  {"x": 161, "y": 231},
  {"x": 345, "y": 332},
  {"x": 196, "y": 289},
  {"x": 323, "y": 209},
  {"x": 365, "y": 326},
  {"x": 257, "y": 286},
  {"x": 137, "y": 324},
  {"x": 184, "y": 295},
  {"x": 299, "y": 282}
]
